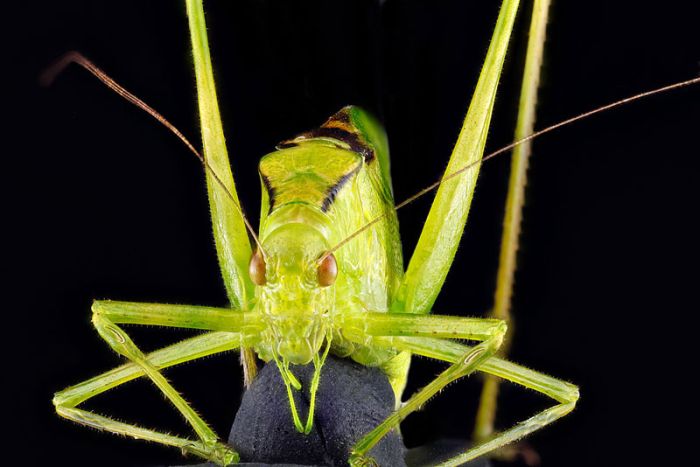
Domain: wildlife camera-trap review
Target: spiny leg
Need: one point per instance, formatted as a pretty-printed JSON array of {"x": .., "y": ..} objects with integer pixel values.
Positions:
[
  {"x": 233, "y": 247},
  {"x": 66, "y": 401},
  {"x": 122, "y": 344},
  {"x": 566, "y": 394},
  {"x": 105, "y": 317},
  {"x": 446, "y": 220},
  {"x": 230, "y": 234},
  {"x": 179, "y": 316},
  {"x": 387, "y": 324}
]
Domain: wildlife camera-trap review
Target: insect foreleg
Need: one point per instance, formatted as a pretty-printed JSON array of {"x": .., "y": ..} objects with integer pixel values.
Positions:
[
  {"x": 491, "y": 331},
  {"x": 179, "y": 316},
  {"x": 409, "y": 324}
]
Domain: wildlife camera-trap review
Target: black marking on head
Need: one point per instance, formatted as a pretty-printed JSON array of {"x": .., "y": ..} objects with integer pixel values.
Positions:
[
  {"x": 270, "y": 191},
  {"x": 335, "y": 188}
]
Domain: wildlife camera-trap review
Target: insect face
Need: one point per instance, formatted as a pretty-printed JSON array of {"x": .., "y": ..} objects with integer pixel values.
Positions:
[{"x": 294, "y": 305}]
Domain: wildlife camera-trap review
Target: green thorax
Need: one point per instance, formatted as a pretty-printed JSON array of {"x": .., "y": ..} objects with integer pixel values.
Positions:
[{"x": 336, "y": 178}]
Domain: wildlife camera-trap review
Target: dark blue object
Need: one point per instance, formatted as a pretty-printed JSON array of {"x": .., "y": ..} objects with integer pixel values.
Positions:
[{"x": 352, "y": 399}]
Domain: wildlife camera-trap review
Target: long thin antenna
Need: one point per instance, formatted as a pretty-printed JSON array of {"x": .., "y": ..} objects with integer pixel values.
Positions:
[
  {"x": 50, "y": 74},
  {"x": 497, "y": 152}
]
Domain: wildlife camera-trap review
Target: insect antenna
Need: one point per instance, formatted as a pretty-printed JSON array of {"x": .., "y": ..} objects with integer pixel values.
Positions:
[
  {"x": 510, "y": 146},
  {"x": 50, "y": 74}
]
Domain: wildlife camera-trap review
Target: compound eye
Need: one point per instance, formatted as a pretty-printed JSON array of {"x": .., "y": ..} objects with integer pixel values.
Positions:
[
  {"x": 257, "y": 268},
  {"x": 327, "y": 271}
]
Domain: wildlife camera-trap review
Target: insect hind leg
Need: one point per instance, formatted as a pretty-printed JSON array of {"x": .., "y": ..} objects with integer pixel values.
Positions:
[
  {"x": 430, "y": 336},
  {"x": 491, "y": 332}
]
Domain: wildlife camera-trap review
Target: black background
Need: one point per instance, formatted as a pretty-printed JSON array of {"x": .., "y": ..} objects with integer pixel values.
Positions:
[{"x": 103, "y": 203}]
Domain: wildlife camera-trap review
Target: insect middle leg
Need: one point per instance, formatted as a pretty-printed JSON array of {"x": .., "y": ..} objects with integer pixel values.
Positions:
[
  {"x": 427, "y": 336},
  {"x": 566, "y": 394},
  {"x": 105, "y": 317},
  {"x": 490, "y": 331}
]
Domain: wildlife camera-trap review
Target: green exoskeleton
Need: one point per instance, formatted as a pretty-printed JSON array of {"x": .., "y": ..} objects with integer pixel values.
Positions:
[{"x": 325, "y": 272}]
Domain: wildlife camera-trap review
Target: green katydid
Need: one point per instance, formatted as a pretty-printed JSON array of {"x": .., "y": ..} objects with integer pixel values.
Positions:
[{"x": 390, "y": 332}]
